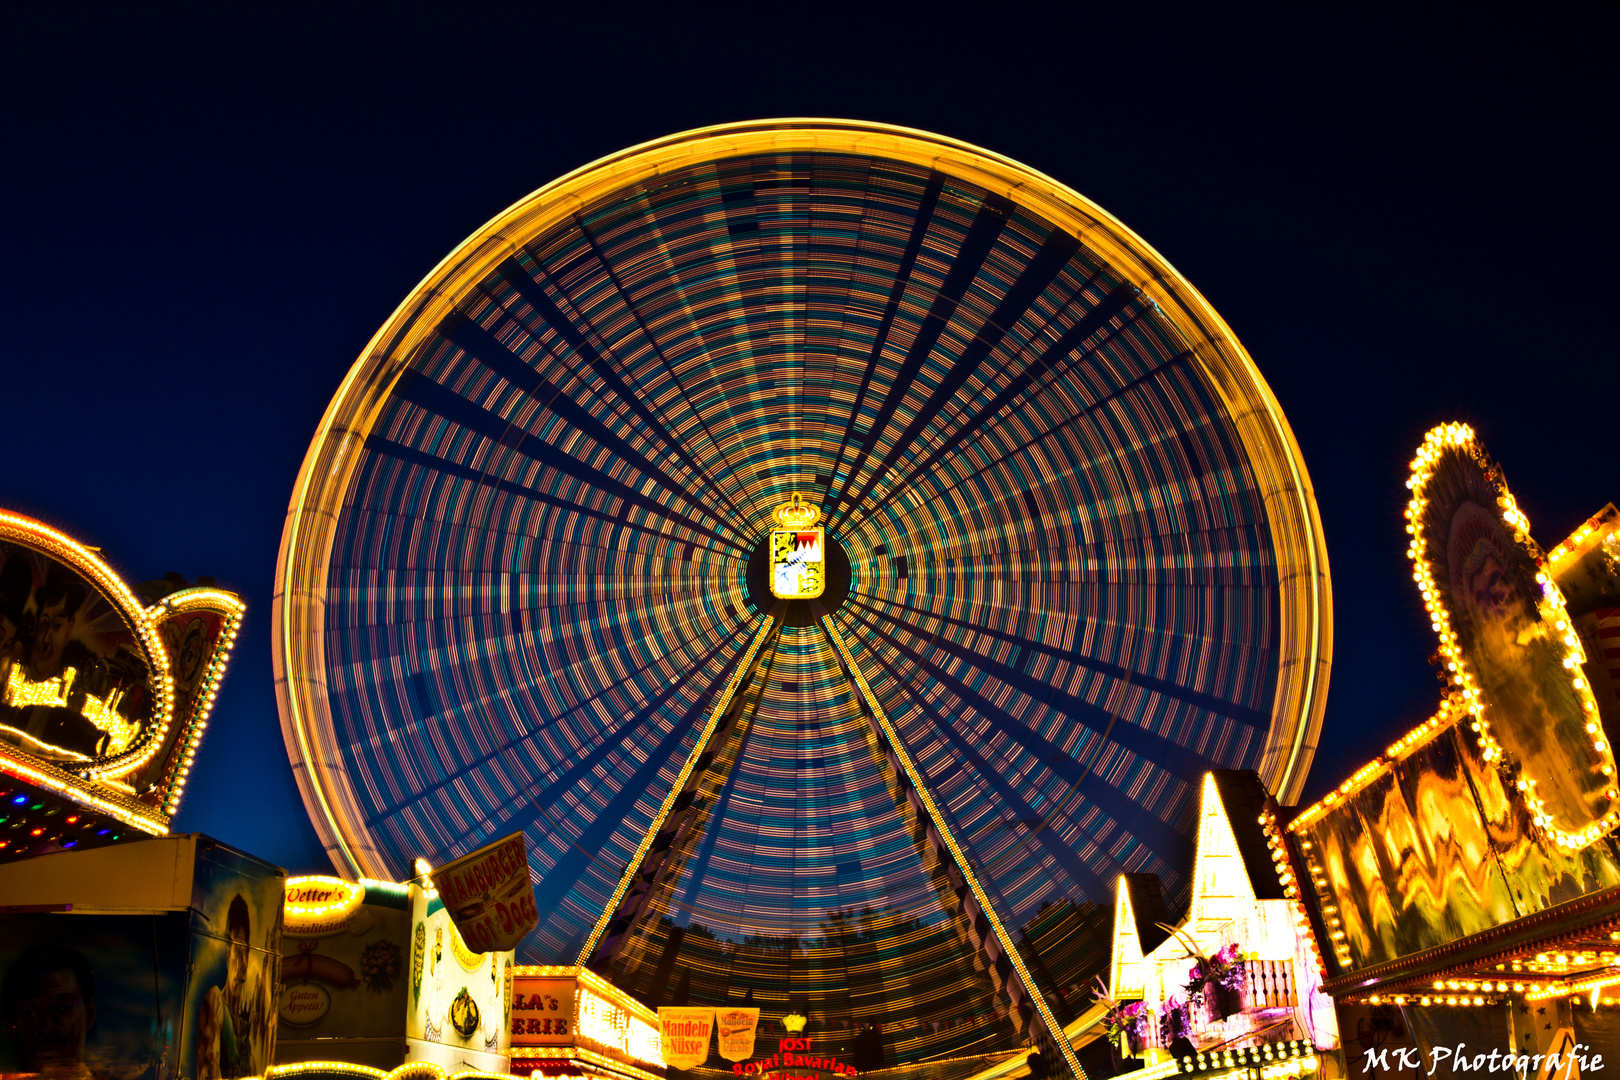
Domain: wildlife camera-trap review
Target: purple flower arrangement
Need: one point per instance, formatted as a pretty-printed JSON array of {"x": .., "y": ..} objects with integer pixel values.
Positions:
[
  {"x": 1173, "y": 1020},
  {"x": 1227, "y": 967},
  {"x": 1224, "y": 969},
  {"x": 1132, "y": 1023},
  {"x": 1127, "y": 1018}
]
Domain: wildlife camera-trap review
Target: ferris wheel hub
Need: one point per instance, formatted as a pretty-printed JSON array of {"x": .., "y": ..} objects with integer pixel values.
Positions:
[{"x": 835, "y": 588}]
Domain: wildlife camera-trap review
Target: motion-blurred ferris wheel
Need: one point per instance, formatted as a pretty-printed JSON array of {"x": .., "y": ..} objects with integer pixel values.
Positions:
[{"x": 1071, "y": 559}]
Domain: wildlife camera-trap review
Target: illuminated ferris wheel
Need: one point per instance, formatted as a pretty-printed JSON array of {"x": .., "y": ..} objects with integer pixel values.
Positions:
[{"x": 840, "y": 549}]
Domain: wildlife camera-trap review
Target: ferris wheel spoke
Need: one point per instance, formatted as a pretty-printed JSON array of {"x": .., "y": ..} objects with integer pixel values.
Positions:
[
  {"x": 1190, "y": 695},
  {"x": 1092, "y": 881},
  {"x": 658, "y": 351},
  {"x": 1053, "y": 255},
  {"x": 1024, "y": 985},
  {"x": 976, "y": 246},
  {"x": 1001, "y": 455},
  {"x": 446, "y": 403},
  {"x": 635, "y": 885},
  {"x": 1146, "y": 828},
  {"x": 926, "y": 202},
  {"x": 600, "y": 362},
  {"x": 1077, "y": 337},
  {"x": 1172, "y": 757},
  {"x": 685, "y": 845},
  {"x": 610, "y": 738}
]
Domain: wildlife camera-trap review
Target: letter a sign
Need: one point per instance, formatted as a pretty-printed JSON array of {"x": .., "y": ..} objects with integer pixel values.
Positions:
[
  {"x": 684, "y": 1034},
  {"x": 737, "y": 1027},
  {"x": 1561, "y": 1062}
]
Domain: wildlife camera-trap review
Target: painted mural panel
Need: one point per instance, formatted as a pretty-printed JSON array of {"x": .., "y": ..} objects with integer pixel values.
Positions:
[
  {"x": 1436, "y": 849},
  {"x": 1539, "y": 873},
  {"x": 1503, "y": 804},
  {"x": 459, "y": 998},
  {"x": 96, "y": 992},
  {"x": 73, "y": 674},
  {"x": 192, "y": 637},
  {"x": 1514, "y": 637},
  {"x": 348, "y": 976},
  {"x": 236, "y": 965},
  {"x": 1407, "y": 859}
]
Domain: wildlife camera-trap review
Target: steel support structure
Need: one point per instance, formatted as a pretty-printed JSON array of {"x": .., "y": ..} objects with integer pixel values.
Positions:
[
  {"x": 674, "y": 844},
  {"x": 972, "y": 930},
  {"x": 1006, "y": 951},
  {"x": 619, "y": 915}
]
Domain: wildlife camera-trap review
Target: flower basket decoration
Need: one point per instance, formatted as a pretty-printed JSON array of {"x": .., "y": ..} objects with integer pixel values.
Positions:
[
  {"x": 1215, "y": 982},
  {"x": 1174, "y": 1023},
  {"x": 1125, "y": 1022}
]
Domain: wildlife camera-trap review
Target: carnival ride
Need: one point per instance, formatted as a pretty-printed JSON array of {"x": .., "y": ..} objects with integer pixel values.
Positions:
[{"x": 1072, "y": 561}]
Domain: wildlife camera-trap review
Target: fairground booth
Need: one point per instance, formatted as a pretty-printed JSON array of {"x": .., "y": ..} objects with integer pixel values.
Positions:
[
  {"x": 125, "y": 950},
  {"x": 1234, "y": 988},
  {"x": 375, "y": 975},
  {"x": 105, "y": 690},
  {"x": 378, "y": 980},
  {"x": 1466, "y": 882}
]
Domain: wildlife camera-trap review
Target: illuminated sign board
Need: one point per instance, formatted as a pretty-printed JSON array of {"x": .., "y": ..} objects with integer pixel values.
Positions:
[
  {"x": 543, "y": 1011},
  {"x": 793, "y": 1054},
  {"x": 489, "y": 895},
  {"x": 103, "y": 693},
  {"x": 572, "y": 1014},
  {"x": 798, "y": 552},
  {"x": 317, "y": 904}
]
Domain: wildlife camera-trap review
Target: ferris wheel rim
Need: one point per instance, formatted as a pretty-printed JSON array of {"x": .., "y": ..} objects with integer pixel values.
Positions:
[{"x": 1305, "y": 627}]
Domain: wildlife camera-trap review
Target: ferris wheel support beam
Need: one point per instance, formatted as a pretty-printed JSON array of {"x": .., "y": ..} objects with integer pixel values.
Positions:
[
  {"x": 620, "y": 913},
  {"x": 972, "y": 933},
  {"x": 685, "y": 826},
  {"x": 1003, "y": 939}
]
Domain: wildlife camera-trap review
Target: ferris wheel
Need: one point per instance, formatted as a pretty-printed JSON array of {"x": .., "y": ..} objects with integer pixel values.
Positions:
[{"x": 886, "y": 761}]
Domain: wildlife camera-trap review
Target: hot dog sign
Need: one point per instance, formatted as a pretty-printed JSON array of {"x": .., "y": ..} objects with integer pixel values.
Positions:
[{"x": 489, "y": 895}]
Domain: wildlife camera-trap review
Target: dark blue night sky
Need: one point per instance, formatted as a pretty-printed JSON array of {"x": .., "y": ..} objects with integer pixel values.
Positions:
[{"x": 1405, "y": 219}]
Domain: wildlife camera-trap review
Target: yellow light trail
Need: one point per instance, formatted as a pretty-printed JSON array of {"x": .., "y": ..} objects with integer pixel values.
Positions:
[{"x": 1053, "y": 1028}]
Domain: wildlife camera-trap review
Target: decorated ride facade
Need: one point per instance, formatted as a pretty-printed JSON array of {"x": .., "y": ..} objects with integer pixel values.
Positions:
[
  {"x": 105, "y": 691},
  {"x": 124, "y": 950},
  {"x": 1460, "y": 889},
  {"x": 1465, "y": 883},
  {"x": 156, "y": 956},
  {"x": 1235, "y": 985}
]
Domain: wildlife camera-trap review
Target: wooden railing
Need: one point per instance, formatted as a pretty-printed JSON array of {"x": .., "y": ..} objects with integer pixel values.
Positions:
[{"x": 1269, "y": 984}]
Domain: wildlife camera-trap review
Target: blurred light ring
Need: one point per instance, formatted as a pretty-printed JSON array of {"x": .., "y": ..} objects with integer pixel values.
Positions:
[{"x": 1189, "y": 516}]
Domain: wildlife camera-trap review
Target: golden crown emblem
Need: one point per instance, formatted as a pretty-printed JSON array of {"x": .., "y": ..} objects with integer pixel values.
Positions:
[
  {"x": 796, "y": 514},
  {"x": 795, "y": 1022}
]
